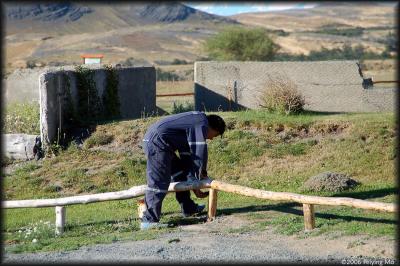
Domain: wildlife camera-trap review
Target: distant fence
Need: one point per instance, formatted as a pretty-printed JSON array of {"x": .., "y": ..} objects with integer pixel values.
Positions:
[
  {"x": 175, "y": 94},
  {"x": 214, "y": 185}
]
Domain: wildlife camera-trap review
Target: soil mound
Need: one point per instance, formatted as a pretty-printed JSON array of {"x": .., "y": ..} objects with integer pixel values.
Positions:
[{"x": 329, "y": 181}]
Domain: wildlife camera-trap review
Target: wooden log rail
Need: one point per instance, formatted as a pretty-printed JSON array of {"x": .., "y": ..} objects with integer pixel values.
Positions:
[
  {"x": 214, "y": 185},
  {"x": 175, "y": 94}
]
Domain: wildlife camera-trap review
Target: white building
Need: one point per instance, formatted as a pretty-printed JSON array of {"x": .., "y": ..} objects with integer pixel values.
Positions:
[{"x": 92, "y": 58}]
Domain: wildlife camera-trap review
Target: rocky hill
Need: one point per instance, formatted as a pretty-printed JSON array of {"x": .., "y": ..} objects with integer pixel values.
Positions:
[
  {"x": 88, "y": 17},
  {"x": 57, "y": 33}
]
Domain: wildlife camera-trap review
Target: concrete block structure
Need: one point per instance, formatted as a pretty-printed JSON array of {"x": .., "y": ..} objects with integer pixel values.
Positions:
[
  {"x": 136, "y": 92},
  {"x": 328, "y": 86},
  {"x": 18, "y": 146},
  {"x": 22, "y": 86}
]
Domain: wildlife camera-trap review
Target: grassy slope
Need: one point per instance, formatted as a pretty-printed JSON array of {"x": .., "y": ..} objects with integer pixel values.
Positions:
[{"x": 261, "y": 150}]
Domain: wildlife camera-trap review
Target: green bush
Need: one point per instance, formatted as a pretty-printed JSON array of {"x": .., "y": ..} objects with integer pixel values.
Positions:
[
  {"x": 182, "y": 107},
  {"x": 236, "y": 43},
  {"x": 282, "y": 96},
  {"x": 166, "y": 75},
  {"x": 349, "y": 32},
  {"x": 177, "y": 61}
]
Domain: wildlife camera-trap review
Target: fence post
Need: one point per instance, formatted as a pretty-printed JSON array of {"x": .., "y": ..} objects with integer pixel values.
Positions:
[
  {"x": 309, "y": 217},
  {"x": 212, "y": 204},
  {"x": 60, "y": 219}
]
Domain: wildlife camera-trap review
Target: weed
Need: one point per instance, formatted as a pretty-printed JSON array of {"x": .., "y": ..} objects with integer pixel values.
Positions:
[
  {"x": 182, "y": 107},
  {"x": 281, "y": 95},
  {"x": 22, "y": 118},
  {"x": 97, "y": 139},
  {"x": 36, "y": 232}
]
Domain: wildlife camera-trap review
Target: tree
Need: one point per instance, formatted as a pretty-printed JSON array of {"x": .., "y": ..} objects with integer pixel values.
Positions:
[{"x": 237, "y": 43}]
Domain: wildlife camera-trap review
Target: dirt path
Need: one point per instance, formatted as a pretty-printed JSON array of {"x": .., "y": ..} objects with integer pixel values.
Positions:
[{"x": 210, "y": 242}]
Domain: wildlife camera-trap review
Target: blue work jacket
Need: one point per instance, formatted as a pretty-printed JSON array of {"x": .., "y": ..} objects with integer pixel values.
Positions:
[{"x": 185, "y": 133}]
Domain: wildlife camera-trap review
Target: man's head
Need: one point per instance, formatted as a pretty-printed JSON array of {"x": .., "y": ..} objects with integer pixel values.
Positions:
[{"x": 216, "y": 126}]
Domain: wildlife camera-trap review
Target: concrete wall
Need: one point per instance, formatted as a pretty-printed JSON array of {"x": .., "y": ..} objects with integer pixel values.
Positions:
[
  {"x": 22, "y": 85},
  {"x": 18, "y": 146},
  {"x": 328, "y": 86},
  {"x": 136, "y": 89}
]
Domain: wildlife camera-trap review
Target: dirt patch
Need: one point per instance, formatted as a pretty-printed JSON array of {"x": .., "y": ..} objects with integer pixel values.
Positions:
[
  {"x": 210, "y": 242},
  {"x": 329, "y": 181}
]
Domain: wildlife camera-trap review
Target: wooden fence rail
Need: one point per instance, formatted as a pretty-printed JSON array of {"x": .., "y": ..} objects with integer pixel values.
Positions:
[
  {"x": 214, "y": 185},
  {"x": 175, "y": 94}
]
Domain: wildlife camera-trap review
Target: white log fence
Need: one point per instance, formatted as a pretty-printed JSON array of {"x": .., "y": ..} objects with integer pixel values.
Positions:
[{"x": 214, "y": 185}]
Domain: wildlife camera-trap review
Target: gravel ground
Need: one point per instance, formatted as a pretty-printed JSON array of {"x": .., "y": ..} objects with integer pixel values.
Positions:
[
  {"x": 211, "y": 243},
  {"x": 190, "y": 248}
]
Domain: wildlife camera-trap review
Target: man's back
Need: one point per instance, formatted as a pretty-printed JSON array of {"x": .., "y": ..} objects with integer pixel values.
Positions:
[{"x": 173, "y": 130}]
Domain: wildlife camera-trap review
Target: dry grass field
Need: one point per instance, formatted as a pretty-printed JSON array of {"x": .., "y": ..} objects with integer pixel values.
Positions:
[
  {"x": 118, "y": 39},
  {"x": 168, "y": 87}
]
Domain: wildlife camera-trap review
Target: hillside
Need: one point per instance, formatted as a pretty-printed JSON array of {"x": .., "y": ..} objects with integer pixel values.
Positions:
[
  {"x": 61, "y": 32},
  {"x": 308, "y": 29},
  {"x": 98, "y": 17},
  {"x": 259, "y": 150},
  {"x": 56, "y": 34}
]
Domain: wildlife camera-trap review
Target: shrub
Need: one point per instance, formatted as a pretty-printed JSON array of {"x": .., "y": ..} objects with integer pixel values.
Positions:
[
  {"x": 30, "y": 64},
  {"x": 166, "y": 75},
  {"x": 282, "y": 96},
  {"x": 237, "y": 43},
  {"x": 177, "y": 61},
  {"x": 182, "y": 107}
]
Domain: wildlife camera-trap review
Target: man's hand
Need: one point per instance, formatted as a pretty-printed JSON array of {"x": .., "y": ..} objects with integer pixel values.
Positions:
[
  {"x": 203, "y": 175},
  {"x": 200, "y": 194}
]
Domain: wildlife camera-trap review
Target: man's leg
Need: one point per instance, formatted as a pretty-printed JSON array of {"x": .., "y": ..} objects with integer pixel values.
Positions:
[
  {"x": 158, "y": 179},
  {"x": 179, "y": 173}
]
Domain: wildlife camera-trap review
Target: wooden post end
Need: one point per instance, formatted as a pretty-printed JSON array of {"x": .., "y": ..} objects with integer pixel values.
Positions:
[
  {"x": 212, "y": 204},
  {"x": 60, "y": 219},
  {"x": 309, "y": 217}
]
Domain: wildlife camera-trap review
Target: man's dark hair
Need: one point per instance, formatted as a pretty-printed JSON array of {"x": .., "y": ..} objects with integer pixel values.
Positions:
[{"x": 217, "y": 123}]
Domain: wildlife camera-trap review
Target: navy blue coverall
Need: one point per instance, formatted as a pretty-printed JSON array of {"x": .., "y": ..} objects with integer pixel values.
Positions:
[{"x": 185, "y": 133}]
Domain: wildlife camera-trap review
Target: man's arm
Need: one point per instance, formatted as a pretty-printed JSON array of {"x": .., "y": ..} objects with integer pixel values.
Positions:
[{"x": 199, "y": 151}]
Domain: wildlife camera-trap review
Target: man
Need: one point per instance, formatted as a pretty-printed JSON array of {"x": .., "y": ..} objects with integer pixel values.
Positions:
[{"x": 185, "y": 133}]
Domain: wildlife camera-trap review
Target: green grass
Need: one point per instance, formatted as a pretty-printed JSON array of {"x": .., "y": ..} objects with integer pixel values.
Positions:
[
  {"x": 22, "y": 118},
  {"x": 260, "y": 150}
]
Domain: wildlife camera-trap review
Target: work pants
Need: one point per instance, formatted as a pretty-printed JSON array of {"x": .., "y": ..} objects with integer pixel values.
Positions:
[{"x": 163, "y": 166}]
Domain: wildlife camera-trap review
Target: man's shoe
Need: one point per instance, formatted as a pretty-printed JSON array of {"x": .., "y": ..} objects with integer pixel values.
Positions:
[
  {"x": 149, "y": 225},
  {"x": 198, "y": 210}
]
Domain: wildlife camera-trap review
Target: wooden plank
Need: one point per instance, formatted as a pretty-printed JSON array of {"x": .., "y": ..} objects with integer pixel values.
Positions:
[
  {"x": 212, "y": 204},
  {"x": 305, "y": 199},
  {"x": 309, "y": 217},
  {"x": 205, "y": 183},
  {"x": 60, "y": 219},
  {"x": 175, "y": 94},
  {"x": 118, "y": 195},
  {"x": 385, "y": 81}
]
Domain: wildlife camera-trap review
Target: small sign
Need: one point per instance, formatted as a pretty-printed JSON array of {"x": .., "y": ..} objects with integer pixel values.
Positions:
[{"x": 92, "y": 58}]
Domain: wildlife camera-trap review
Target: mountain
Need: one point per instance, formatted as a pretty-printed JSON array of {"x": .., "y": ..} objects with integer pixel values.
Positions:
[
  {"x": 46, "y": 12},
  {"x": 58, "y": 32},
  {"x": 88, "y": 17}
]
